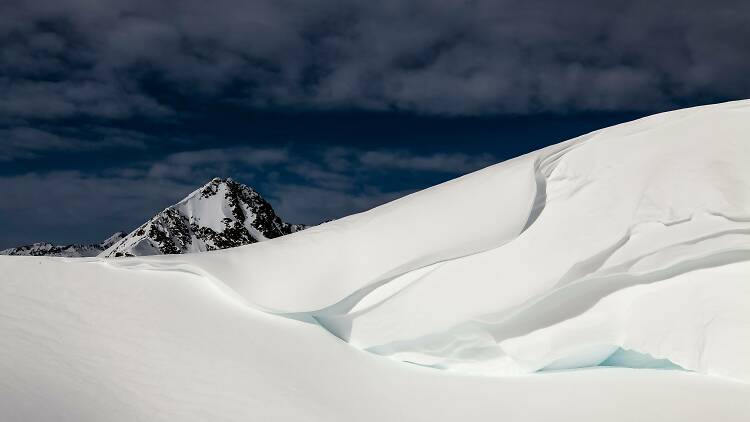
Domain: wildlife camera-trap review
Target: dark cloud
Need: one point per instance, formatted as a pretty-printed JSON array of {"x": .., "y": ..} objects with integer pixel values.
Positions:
[
  {"x": 115, "y": 59},
  {"x": 25, "y": 142},
  {"x": 146, "y": 100},
  {"x": 208, "y": 163},
  {"x": 451, "y": 163},
  {"x": 305, "y": 200}
]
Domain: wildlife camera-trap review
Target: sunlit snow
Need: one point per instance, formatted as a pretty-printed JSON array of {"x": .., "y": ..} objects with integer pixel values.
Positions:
[{"x": 604, "y": 278}]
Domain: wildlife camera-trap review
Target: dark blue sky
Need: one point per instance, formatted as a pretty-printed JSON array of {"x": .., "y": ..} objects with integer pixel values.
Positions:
[
  {"x": 113, "y": 110},
  {"x": 311, "y": 166}
]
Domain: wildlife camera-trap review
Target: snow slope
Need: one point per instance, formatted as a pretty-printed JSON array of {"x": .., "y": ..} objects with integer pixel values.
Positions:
[
  {"x": 659, "y": 207},
  {"x": 623, "y": 254}
]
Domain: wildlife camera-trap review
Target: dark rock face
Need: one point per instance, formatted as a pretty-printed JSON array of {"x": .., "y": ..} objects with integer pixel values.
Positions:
[
  {"x": 75, "y": 250},
  {"x": 221, "y": 214}
]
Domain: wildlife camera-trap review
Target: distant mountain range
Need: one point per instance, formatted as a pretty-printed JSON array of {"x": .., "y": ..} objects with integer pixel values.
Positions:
[
  {"x": 74, "y": 250},
  {"x": 221, "y": 214}
]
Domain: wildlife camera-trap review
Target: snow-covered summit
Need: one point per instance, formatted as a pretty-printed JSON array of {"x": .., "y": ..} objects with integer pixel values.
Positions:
[
  {"x": 68, "y": 251},
  {"x": 221, "y": 214}
]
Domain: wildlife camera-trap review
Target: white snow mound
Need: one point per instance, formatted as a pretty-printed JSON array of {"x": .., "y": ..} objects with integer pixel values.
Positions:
[
  {"x": 633, "y": 237},
  {"x": 626, "y": 247}
]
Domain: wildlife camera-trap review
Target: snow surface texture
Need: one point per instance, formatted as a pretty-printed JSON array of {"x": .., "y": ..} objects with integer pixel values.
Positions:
[
  {"x": 69, "y": 251},
  {"x": 221, "y": 214},
  {"x": 623, "y": 254}
]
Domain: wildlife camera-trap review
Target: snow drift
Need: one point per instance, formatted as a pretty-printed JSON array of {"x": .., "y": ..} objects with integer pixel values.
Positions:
[
  {"x": 626, "y": 247},
  {"x": 632, "y": 237}
]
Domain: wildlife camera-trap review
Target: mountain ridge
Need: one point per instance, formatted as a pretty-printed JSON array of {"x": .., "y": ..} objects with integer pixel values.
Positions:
[{"x": 74, "y": 250}]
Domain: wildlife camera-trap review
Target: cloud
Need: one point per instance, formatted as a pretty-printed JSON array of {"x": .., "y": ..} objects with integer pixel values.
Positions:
[
  {"x": 439, "y": 162},
  {"x": 115, "y": 59},
  {"x": 211, "y": 162},
  {"x": 321, "y": 176},
  {"x": 72, "y": 98},
  {"x": 303, "y": 186},
  {"x": 69, "y": 206},
  {"x": 310, "y": 204},
  {"x": 341, "y": 169},
  {"x": 24, "y": 142}
]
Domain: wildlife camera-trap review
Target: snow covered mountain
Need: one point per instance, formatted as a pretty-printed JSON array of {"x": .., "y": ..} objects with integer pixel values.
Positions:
[
  {"x": 69, "y": 251},
  {"x": 221, "y": 214},
  {"x": 612, "y": 271}
]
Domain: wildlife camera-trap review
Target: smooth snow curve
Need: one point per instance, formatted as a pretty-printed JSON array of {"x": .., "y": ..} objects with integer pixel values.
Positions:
[
  {"x": 596, "y": 237},
  {"x": 626, "y": 247}
]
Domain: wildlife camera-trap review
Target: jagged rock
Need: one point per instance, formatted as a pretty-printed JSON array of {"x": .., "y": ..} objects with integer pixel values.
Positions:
[{"x": 221, "y": 214}]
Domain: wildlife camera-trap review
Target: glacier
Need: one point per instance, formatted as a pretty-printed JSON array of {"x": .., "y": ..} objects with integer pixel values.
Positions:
[{"x": 605, "y": 278}]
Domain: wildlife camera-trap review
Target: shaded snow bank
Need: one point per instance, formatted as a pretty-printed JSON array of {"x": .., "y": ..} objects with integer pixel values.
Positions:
[{"x": 85, "y": 341}]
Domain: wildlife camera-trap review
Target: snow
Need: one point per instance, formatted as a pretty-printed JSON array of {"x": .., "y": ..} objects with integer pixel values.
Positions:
[
  {"x": 555, "y": 286},
  {"x": 84, "y": 341},
  {"x": 206, "y": 211}
]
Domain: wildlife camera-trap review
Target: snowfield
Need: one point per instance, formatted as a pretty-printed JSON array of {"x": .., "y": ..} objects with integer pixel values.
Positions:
[{"x": 606, "y": 278}]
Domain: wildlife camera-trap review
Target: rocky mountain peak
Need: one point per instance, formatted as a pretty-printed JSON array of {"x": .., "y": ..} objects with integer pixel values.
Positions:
[{"x": 221, "y": 214}]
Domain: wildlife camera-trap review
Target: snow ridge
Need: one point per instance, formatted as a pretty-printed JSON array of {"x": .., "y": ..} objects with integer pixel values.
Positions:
[{"x": 633, "y": 238}]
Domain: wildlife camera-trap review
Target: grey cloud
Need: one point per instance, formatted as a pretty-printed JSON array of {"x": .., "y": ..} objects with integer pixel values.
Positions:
[
  {"x": 309, "y": 204},
  {"x": 24, "y": 142},
  {"x": 321, "y": 176},
  {"x": 341, "y": 168},
  {"x": 439, "y": 162},
  {"x": 212, "y": 162},
  {"x": 335, "y": 168},
  {"x": 71, "y": 98},
  {"x": 74, "y": 57}
]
